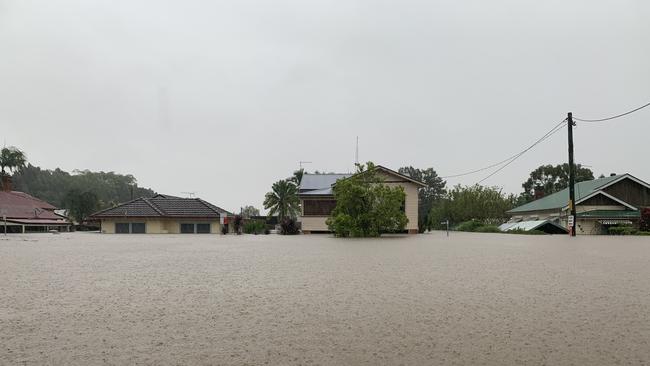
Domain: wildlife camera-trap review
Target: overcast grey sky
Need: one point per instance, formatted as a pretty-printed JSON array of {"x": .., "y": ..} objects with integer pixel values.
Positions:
[{"x": 226, "y": 97}]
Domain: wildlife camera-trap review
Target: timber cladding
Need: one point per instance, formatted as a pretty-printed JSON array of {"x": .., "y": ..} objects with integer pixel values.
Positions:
[{"x": 631, "y": 192}]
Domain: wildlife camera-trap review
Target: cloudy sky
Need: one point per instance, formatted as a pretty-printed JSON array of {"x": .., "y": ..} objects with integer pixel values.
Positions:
[{"x": 225, "y": 97}]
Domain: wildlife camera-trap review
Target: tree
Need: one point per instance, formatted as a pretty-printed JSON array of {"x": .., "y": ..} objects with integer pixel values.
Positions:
[
  {"x": 548, "y": 179},
  {"x": 80, "y": 204},
  {"x": 487, "y": 205},
  {"x": 52, "y": 185},
  {"x": 12, "y": 158},
  {"x": 249, "y": 211},
  {"x": 283, "y": 199},
  {"x": 365, "y": 207},
  {"x": 433, "y": 192},
  {"x": 297, "y": 176}
]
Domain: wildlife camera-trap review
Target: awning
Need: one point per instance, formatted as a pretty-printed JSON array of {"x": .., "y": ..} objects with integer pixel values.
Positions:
[{"x": 615, "y": 222}]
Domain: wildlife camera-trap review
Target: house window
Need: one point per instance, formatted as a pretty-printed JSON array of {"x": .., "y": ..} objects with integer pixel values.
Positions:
[
  {"x": 138, "y": 228},
  {"x": 203, "y": 228},
  {"x": 187, "y": 228},
  {"x": 318, "y": 207},
  {"x": 122, "y": 228},
  {"x": 130, "y": 228}
]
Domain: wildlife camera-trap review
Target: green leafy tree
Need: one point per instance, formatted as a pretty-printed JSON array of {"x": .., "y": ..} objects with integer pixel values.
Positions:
[
  {"x": 80, "y": 204},
  {"x": 548, "y": 179},
  {"x": 487, "y": 205},
  {"x": 427, "y": 196},
  {"x": 283, "y": 199},
  {"x": 249, "y": 211},
  {"x": 13, "y": 159},
  {"x": 365, "y": 207},
  {"x": 52, "y": 185},
  {"x": 297, "y": 176}
]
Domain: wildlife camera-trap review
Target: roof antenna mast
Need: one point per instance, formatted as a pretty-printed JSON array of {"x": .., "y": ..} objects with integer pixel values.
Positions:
[{"x": 356, "y": 154}]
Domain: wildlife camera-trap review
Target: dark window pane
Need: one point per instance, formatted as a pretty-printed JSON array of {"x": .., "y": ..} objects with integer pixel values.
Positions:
[
  {"x": 121, "y": 228},
  {"x": 319, "y": 207},
  {"x": 138, "y": 228},
  {"x": 187, "y": 228},
  {"x": 203, "y": 228}
]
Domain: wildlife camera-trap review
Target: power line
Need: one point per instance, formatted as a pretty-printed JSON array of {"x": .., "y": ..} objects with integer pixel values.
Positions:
[
  {"x": 612, "y": 117},
  {"x": 548, "y": 134},
  {"x": 507, "y": 159}
]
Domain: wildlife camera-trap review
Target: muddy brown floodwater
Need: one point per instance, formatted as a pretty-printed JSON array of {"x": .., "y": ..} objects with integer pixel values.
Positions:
[{"x": 471, "y": 299}]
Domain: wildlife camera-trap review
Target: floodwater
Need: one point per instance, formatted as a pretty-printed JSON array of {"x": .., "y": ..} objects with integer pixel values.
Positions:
[{"x": 471, "y": 299}]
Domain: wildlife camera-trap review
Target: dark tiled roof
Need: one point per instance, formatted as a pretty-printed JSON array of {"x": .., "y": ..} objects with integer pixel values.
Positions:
[{"x": 163, "y": 206}]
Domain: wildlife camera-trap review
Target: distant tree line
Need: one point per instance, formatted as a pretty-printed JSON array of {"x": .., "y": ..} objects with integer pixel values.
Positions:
[
  {"x": 82, "y": 192},
  {"x": 54, "y": 185}
]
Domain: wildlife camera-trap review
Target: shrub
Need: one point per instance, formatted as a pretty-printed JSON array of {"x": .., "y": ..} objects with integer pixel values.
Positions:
[
  {"x": 488, "y": 229},
  {"x": 526, "y": 232},
  {"x": 289, "y": 226},
  {"x": 469, "y": 226},
  {"x": 622, "y": 230},
  {"x": 644, "y": 222},
  {"x": 254, "y": 227},
  {"x": 237, "y": 223}
]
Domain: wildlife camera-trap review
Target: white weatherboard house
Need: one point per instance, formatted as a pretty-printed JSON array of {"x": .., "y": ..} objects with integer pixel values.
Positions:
[{"x": 317, "y": 198}]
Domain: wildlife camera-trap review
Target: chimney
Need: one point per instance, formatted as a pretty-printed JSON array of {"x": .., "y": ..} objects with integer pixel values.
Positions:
[
  {"x": 539, "y": 193},
  {"x": 6, "y": 183}
]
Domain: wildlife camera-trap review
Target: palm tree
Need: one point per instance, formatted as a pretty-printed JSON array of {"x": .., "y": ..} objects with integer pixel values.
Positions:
[
  {"x": 11, "y": 158},
  {"x": 283, "y": 199}
]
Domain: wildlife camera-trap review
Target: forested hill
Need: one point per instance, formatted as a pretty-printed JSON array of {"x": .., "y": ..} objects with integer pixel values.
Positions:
[{"x": 53, "y": 185}]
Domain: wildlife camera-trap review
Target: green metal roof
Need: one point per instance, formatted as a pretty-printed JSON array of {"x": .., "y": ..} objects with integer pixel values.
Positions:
[
  {"x": 610, "y": 214},
  {"x": 560, "y": 199}
]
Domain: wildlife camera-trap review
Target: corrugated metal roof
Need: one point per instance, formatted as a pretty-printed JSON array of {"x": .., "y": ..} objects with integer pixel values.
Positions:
[
  {"x": 318, "y": 192},
  {"x": 560, "y": 199},
  {"x": 527, "y": 225},
  {"x": 319, "y": 181}
]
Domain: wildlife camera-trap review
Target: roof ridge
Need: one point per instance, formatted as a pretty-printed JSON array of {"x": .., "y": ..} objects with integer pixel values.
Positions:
[
  {"x": 116, "y": 206},
  {"x": 155, "y": 207},
  {"x": 210, "y": 206}
]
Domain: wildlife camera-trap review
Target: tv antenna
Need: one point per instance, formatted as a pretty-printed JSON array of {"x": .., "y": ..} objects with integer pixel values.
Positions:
[
  {"x": 356, "y": 153},
  {"x": 189, "y": 194},
  {"x": 303, "y": 162}
]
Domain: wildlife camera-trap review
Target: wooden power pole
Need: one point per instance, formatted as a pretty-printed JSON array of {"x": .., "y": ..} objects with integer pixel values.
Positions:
[{"x": 572, "y": 179}]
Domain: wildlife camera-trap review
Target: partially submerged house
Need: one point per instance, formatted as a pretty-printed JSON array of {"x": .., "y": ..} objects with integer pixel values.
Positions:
[
  {"x": 547, "y": 226},
  {"x": 23, "y": 213},
  {"x": 600, "y": 204},
  {"x": 317, "y": 198},
  {"x": 163, "y": 214}
]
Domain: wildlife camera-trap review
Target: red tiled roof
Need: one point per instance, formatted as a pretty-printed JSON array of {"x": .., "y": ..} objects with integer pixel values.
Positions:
[
  {"x": 20, "y": 205},
  {"x": 61, "y": 221}
]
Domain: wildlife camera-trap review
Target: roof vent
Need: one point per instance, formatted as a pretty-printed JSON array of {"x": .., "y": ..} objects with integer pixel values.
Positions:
[{"x": 612, "y": 174}]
